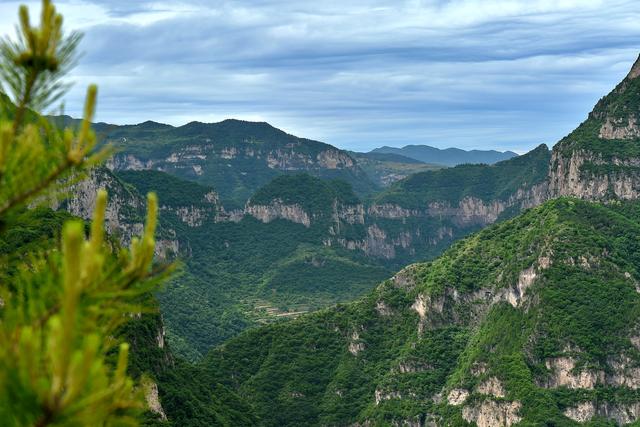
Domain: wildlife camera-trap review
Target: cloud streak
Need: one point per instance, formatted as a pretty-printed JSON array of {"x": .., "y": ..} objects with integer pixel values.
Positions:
[{"x": 504, "y": 74}]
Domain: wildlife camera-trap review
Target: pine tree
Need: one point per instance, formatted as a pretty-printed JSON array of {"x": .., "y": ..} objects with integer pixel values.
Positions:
[{"x": 60, "y": 308}]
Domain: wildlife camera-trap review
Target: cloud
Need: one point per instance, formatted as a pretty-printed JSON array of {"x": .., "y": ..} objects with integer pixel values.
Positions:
[{"x": 505, "y": 74}]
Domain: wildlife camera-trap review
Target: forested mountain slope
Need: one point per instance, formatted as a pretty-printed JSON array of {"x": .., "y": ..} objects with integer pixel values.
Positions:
[
  {"x": 533, "y": 320},
  {"x": 267, "y": 262},
  {"x": 236, "y": 157}
]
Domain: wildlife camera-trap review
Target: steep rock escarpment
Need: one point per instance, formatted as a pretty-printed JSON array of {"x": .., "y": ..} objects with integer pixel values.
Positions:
[
  {"x": 278, "y": 210},
  {"x": 125, "y": 213},
  {"x": 587, "y": 175},
  {"x": 181, "y": 202},
  {"x": 469, "y": 211},
  {"x": 421, "y": 214}
]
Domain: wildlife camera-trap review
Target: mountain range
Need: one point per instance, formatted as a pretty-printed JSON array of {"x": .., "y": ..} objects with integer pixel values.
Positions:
[
  {"x": 532, "y": 321},
  {"x": 447, "y": 156},
  {"x": 301, "y": 243}
]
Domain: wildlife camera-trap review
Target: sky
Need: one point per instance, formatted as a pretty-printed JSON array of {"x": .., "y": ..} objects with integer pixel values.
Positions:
[{"x": 473, "y": 74}]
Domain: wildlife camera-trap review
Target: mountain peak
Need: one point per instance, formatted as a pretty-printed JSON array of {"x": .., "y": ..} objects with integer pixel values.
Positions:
[
  {"x": 150, "y": 124},
  {"x": 635, "y": 69}
]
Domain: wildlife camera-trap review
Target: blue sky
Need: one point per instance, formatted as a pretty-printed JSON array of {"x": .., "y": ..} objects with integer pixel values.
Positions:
[{"x": 485, "y": 74}]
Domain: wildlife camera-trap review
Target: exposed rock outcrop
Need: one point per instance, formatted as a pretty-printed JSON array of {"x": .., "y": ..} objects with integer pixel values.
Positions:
[
  {"x": 620, "y": 413},
  {"x": 567, "y": 177},
  {"x": 355, "y": 345},
  {"x": 380, "y": 395},
  {"x": 492, "y": 387},
  {"x": 457, "y": 396},
  {"x": 412, "y": 366},
  {"x": 383, "y": 309},
  {"x": 278, "y": 210},
  {"x": 351, "y": 214},
  {"x": 621, "y": 372},
  {"x": 392, "y": 211},
  {"x": 126, "y": 209},
  {"x": 375, "y": 244},
  {"x": 620, "y": 128},
  {"x": 564, "y": 374},
  {"x": 131, "y": 162},
  {"x": 526, "y": 278},
  {"x": 334, "y": 159},
  {"x": 153, "y": 399},
  {"x": 424, "y": 305},
  {"x": 119, "y": 220},
  {"x": 490, "y": 413}
]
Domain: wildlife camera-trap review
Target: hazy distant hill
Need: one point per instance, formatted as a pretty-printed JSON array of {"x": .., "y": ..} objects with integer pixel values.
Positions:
[{"x": 448, "y": 156}]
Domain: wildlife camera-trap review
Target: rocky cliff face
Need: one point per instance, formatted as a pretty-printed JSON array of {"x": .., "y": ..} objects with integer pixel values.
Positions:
[
  {"x": 208, "y": 209},
  {"x": 587, "y": 175},
  {"x": 436, "y": 223},
  {"x": 278, "y": 210},
  {"x": 196, "y": 156},
  {"x": 341, "y": 215},
  {"x": 388, "y": 228},
  {"x": 125, "y": 213},
  {"x": 620, "y": 413},
  {"x": 472, "y": 211}
]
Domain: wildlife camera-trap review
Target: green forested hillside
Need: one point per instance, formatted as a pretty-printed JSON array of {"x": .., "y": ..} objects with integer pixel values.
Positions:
[
  {"x": 313, "y": 195},
  {"x": 176, "y": 192},
  {"x": 240, "y": 274},
  {"x": 246, "y": 272},
  {"x": 534, "y": 320}
]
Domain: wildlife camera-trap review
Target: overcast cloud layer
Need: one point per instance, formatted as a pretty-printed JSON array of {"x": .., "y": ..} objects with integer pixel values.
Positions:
[{"x": 501, "y": 74}]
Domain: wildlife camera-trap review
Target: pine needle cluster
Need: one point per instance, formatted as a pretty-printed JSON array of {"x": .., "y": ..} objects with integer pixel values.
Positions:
[{"x": 60, "y": 307}]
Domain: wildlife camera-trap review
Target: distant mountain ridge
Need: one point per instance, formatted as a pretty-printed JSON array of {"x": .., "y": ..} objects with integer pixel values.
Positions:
[{"x": 447, "y": 156}]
